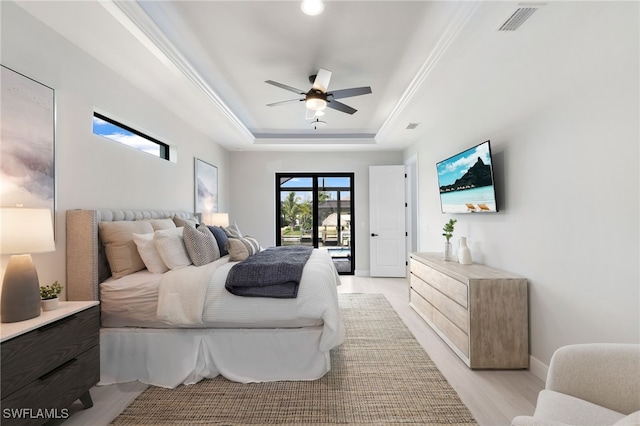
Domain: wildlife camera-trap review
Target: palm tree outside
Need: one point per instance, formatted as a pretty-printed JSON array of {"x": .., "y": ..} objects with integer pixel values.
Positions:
[{"x": 290, "y": 210}]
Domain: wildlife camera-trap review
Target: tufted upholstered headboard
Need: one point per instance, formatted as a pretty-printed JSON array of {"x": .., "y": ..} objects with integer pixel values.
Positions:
[{"x": 87, "y": 263}]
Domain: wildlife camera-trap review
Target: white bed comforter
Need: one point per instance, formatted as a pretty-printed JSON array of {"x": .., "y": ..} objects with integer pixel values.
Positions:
[{"x": 197, "y": 295}]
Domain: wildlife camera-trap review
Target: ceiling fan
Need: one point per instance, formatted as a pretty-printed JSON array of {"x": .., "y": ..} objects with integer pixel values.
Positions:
[{"x": 318, "y": 98}]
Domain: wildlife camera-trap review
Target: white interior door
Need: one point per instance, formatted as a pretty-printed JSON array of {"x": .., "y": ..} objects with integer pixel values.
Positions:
[{"x": 387, "y": 240}]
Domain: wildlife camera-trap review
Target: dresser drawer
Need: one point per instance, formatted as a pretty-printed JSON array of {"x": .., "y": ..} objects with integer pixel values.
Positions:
[
  {"x": 440, "y": 323},
  {"x": 58, "y": 388},
  {"x": 447, "y": 307},
  {"x": 448, "y": 286},
  {"x": 40, "y": 351},
  {"x": 479, "y": 311}
]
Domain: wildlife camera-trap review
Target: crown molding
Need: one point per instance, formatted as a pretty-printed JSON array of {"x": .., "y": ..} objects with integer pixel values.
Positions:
[
  {"x": 458, "y": 22},
  {"x": 314, "y": 139},
  {"x": 136, "y": 21}
]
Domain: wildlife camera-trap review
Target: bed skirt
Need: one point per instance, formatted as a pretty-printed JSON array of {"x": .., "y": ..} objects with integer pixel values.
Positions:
[{"x": 170, "y": 357}]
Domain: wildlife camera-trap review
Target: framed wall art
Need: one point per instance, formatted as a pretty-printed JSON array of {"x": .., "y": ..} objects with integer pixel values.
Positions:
[
  {"x": 206, "y": 186},
  {"x": 27, "y": 142}
]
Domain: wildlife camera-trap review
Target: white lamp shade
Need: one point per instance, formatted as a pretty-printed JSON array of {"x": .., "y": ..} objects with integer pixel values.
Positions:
[
  {"x": 26, "y": 231},
  {"x": 220, "y": 219}
]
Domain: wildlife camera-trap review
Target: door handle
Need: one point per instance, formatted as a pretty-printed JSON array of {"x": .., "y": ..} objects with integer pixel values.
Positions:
[{"x": 374, "y": 235}]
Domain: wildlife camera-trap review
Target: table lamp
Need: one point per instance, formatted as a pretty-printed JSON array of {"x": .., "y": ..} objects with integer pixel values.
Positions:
[
  {"x": 22, "y": 232},
  {"x": 220, "y": 219}
]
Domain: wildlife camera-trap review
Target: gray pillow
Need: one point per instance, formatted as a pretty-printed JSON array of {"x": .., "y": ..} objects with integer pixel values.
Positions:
[
  {"x": 233, "y": 231},
  {"x": 201, "y": 244},
  {"x": 180, "y": 222},
  {"x": 221, "y": 238}
]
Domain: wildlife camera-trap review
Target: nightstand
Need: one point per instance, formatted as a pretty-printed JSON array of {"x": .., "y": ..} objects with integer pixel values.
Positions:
[{"x": 48, "y": 362}]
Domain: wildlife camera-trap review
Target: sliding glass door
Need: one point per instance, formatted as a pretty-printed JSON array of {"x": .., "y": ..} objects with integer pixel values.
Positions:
[{"x": 315, "y": 209}]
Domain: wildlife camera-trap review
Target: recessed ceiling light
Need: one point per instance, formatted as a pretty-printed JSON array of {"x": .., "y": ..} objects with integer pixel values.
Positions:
[{"x": 312, "y": 7}]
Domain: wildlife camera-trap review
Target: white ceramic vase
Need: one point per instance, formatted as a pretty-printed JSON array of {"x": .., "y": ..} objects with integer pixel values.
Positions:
[
  {"x": 464, "y": 254},
  {"x": 49, "y": 304}
]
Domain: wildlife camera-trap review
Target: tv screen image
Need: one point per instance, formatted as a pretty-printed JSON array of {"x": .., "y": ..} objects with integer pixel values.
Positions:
[{"x": 466, "y": 181}]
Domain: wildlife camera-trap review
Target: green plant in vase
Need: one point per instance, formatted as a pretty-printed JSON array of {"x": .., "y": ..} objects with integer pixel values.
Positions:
[
  {"x": 50, "y": 291},
  {"x": 448, "y": 229}
]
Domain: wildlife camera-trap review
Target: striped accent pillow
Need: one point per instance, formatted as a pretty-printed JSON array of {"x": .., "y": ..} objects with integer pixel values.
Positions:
[
  {"x": 241, "y": 248},
  {"x": 201, "y": 244}
]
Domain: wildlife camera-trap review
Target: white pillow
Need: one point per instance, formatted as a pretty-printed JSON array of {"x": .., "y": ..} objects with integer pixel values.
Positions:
[
  {"x": 149, "y": 253},
  {"x": 171, "y": 248},
  {"x": 631, "y": 420}
]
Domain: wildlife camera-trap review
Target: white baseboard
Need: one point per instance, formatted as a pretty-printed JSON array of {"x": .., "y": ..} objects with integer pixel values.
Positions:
[
  {"x": 538, "y": 368},
  {"x": 361, "y": 272}
]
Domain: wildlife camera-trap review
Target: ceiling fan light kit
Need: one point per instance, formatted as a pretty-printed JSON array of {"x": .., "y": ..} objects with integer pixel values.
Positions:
[
  {"x": 312, "y": 7},
  {"x": 316, "y": 100}
]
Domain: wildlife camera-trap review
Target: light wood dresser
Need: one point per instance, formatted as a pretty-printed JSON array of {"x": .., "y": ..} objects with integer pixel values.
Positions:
[{"x": 480, "y": 312}]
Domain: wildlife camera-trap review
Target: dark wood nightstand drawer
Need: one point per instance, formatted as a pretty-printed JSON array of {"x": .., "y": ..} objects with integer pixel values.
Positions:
[
  {"x": 70, "y": 381},
  {"x": 38, "y": 352}
]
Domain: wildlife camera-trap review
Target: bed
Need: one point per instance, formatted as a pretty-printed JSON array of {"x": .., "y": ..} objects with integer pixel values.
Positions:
[{"x": 149, "y": 333}]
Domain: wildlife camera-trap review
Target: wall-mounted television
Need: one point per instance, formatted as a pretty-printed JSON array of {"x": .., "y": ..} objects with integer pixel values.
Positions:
[{"x": 466, "y": 181}]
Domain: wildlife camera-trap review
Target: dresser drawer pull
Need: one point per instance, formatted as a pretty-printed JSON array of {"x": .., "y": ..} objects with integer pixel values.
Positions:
[
  {"x": 55, "y": 370},
  {"x": 57, "y": 323}
]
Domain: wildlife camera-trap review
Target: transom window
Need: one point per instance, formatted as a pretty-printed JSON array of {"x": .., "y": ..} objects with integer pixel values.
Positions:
[{"x": 111, "y": 129}]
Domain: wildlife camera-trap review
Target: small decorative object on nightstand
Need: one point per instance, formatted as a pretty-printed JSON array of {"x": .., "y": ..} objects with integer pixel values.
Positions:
[{"x": 49, "y": 295}]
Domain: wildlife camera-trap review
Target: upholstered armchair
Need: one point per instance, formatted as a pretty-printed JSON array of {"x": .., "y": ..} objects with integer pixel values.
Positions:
[{"x": 590, "y": 384}]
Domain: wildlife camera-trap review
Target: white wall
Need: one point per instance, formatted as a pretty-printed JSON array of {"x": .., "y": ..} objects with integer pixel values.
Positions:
[
  {"x": 252, "y": 189},
  {"x": 566, "y": 158},
  {"x": 567, "y": 170},
  {"x": 93, "y": 172}
]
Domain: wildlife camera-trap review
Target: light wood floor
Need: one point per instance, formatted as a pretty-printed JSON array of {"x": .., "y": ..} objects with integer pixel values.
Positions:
[{"x": 494, "y": 397}]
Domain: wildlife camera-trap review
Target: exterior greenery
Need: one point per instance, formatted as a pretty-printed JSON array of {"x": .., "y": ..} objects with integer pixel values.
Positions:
[{"x": 297, "y": 215}]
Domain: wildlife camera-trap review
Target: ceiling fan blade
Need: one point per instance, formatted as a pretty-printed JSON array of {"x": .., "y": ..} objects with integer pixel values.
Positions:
[
  {"x": 285, "y": 87},
  {"x": 322, "y": 80},
  {"x": 285, "y": 102},
  {"x": 340, "y": 106},
  {"x": 347, "y": 93}
]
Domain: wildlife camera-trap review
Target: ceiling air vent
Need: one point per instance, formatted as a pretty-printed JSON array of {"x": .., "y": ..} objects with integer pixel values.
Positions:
[
  {"x": 412, "y": 126},
  {"x": 518, "y": 18}
]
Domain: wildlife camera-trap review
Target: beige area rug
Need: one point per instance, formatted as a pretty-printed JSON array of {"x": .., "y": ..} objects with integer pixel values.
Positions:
[{"x": 379, "y": 376}]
